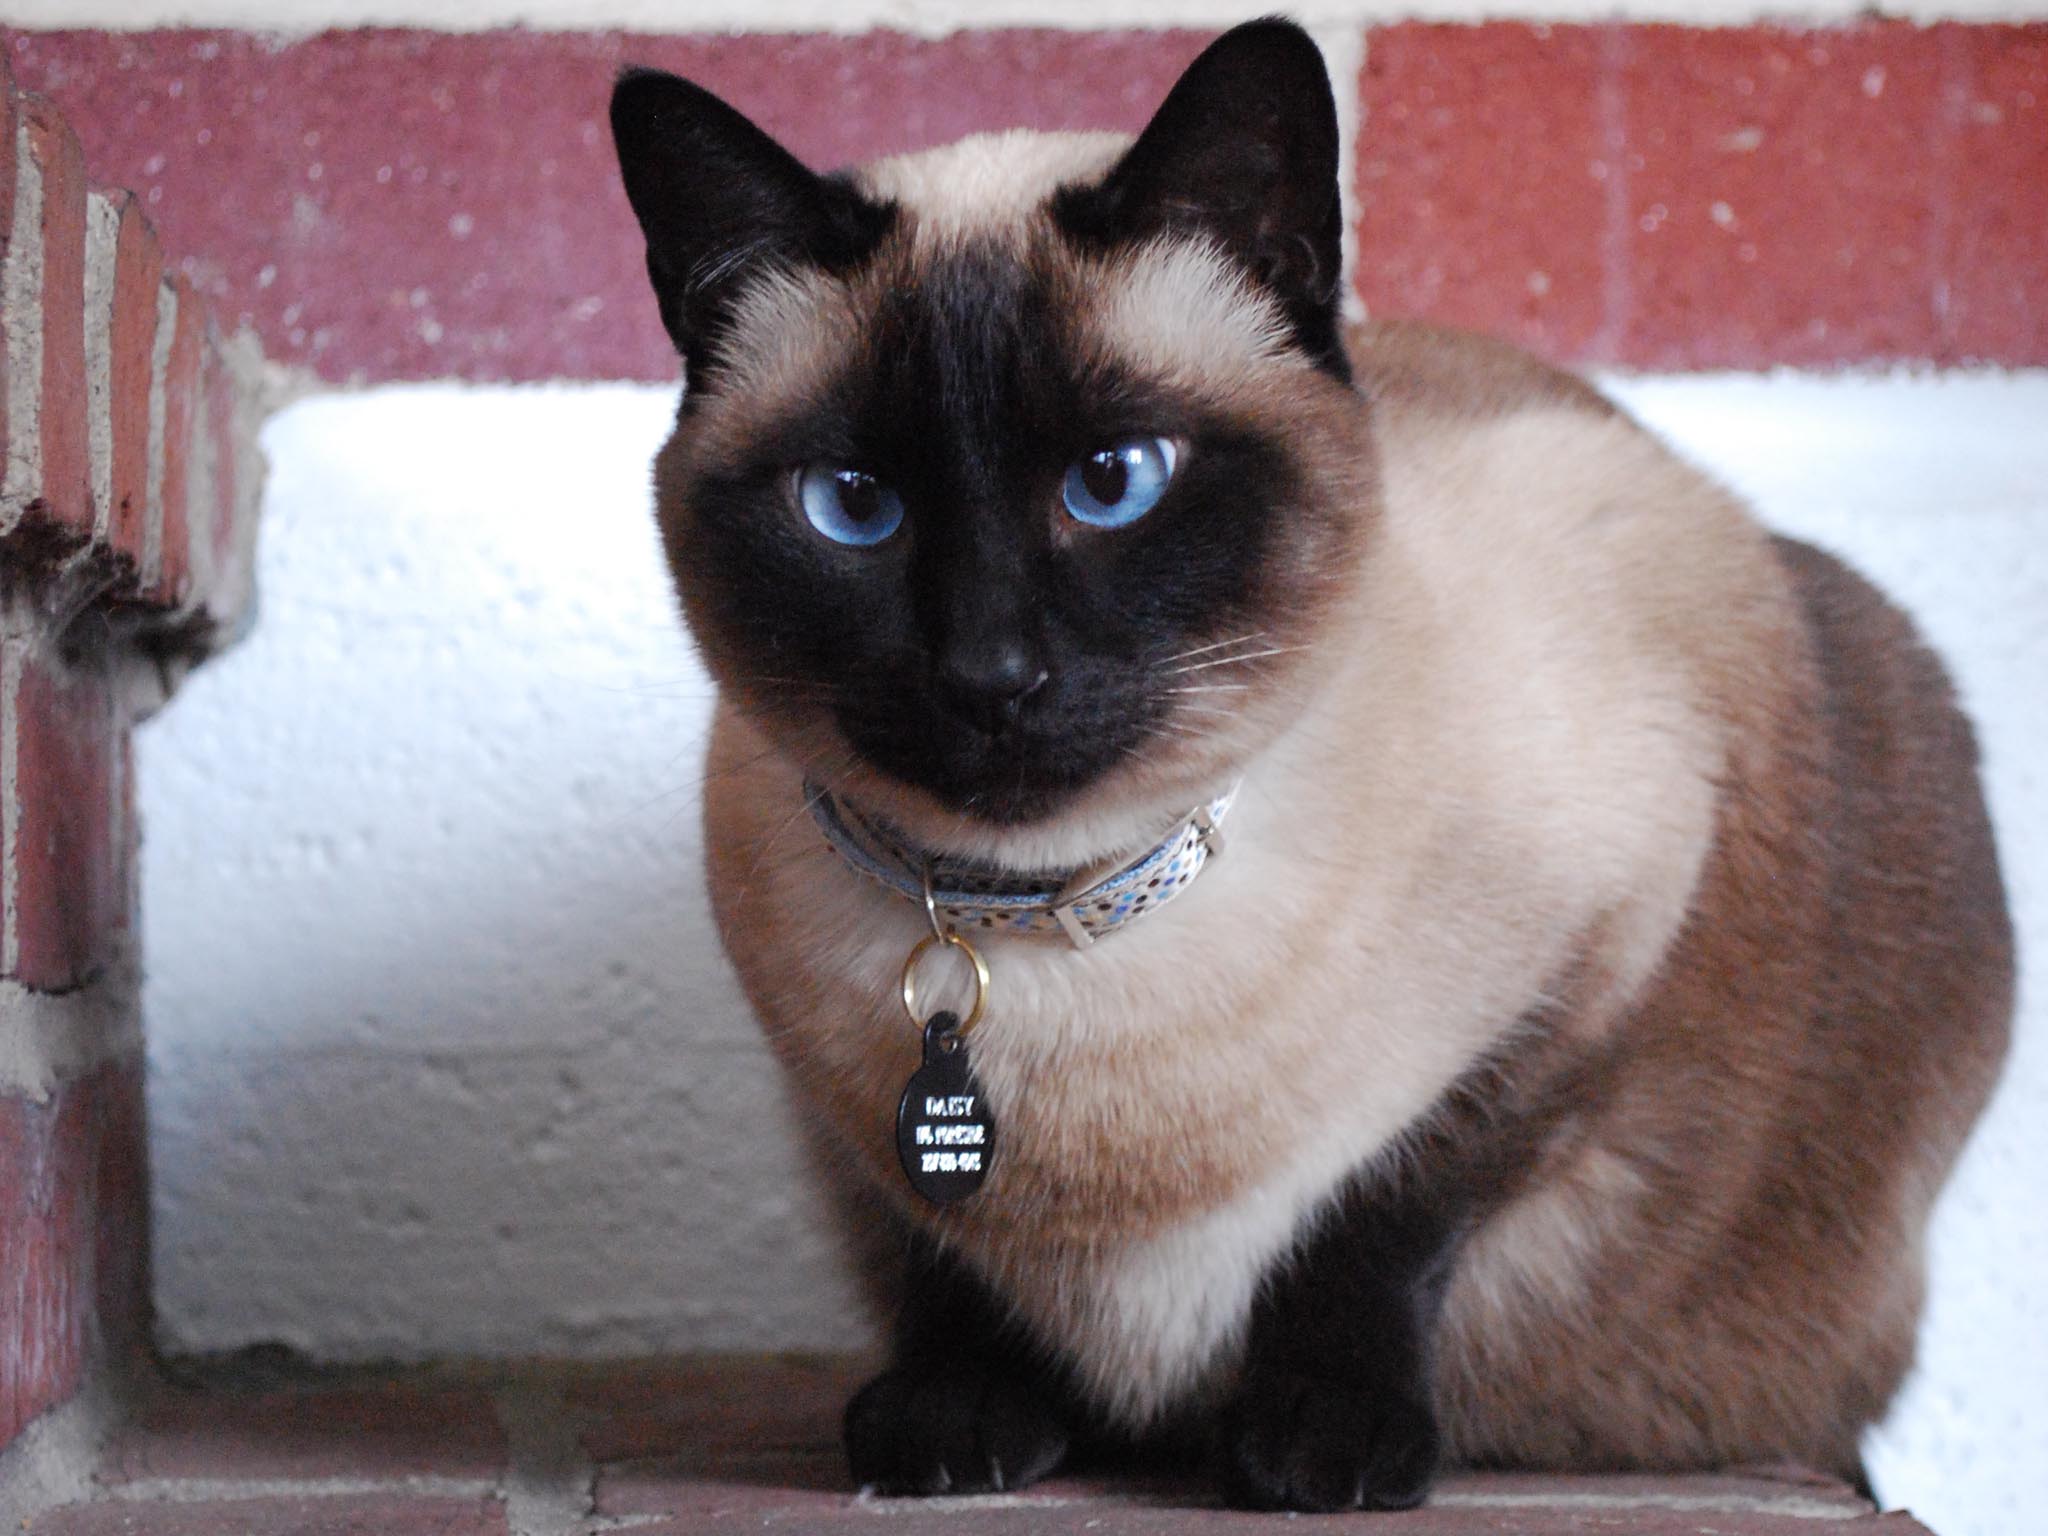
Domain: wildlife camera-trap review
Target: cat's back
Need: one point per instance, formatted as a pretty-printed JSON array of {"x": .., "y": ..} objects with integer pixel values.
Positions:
[{"x": 1846, "y": 908}]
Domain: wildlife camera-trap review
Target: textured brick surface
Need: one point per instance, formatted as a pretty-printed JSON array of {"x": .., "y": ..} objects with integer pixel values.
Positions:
[
  {"x": 1672, "y": 197},
  {"x": 378, "y": 1514},
  {"x": 68, "y": 887},
  {"x": 664, "y": 1410},
  {"x": 752, "y": 1443},
  {"x": 410, "y": 205},
  {"x": 390, "y": 205},
  {"x": 807, "y": 1491},
  {"x": 1993, "y": 237},
  {"x": 44, "y": 1188},
  {"x": 138, "y": 273},
  {"x": 1785, "y": 200},
  {"x": 1484, "y": 188},
  {"x": 388, "y": 1431},
  {"x": 64, "y": 493},
  {"x": 67, "y": 1166},
  {"x": 120, "y": 1210}
]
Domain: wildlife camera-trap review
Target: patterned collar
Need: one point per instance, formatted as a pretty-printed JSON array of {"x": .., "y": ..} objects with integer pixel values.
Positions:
[{"x": 976, "y": 897}]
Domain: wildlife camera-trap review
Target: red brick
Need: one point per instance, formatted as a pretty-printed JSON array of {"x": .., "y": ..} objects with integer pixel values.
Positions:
[
  {"x": 67, "y": 899},
  {"x": 1765, "y": 196},
  {"x": 398, "y": 205},
  {"x": 1066, "y": 1509},
  {"x": 747, "y": 1405},
  {"x": 389, "y": 205},
  {"x": 390, "y": 1430},
  {"x": 67, "y": 1168},
  {"x": 1485, "y": 180},
  {"x": 45, "y": 1246},
  {"x": 121, "y": 1289},
  {"x": 1992, "y": 186},
  {"x": 138, "y": 274},
  {"x": 1781, "y": 196},
  {"x": 172, "y": 582},
  {"x": 360, "y": 1514},
  {"x": 62, "y": 512}
]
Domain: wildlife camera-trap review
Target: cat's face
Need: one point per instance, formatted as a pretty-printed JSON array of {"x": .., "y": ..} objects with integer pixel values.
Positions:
[{"x": 1013, "y": 477}]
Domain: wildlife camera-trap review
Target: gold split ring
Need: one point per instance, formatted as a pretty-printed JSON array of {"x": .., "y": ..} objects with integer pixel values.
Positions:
[{"x": 923, "y": 947}]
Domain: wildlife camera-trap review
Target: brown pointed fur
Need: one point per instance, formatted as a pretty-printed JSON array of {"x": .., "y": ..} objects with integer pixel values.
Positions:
[{"x": 1596, "y": 843}]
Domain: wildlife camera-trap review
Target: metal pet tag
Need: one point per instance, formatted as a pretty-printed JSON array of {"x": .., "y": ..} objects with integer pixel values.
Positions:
[{"x": 945, "y": 1134}]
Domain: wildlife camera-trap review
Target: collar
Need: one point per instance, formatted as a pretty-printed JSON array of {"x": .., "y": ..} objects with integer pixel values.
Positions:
[{"x": 1083, "y": 904}]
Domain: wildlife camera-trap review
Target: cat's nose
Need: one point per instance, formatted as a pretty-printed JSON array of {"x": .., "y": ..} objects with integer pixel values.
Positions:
[{"x": 988, "y": 683}]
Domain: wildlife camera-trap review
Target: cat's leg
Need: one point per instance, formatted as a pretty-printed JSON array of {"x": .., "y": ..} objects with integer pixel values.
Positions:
[
  {"x": 968, "y": 1405},
  {"x": 1334, "y": 1410}
]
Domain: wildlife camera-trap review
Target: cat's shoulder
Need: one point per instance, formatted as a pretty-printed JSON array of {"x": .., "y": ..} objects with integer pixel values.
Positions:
[{"x": 1443, "y": 371}]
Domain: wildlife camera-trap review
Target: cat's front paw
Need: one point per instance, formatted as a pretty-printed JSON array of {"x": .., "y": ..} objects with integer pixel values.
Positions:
[
  {"x": 951, "y": 1427},
  {"x": 1291, "y": 1441}
]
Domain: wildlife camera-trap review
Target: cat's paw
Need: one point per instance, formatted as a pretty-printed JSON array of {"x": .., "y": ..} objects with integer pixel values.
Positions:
[
  {"x": 951, "y": 1427},
  {"x": 1293, "y": 1442}
]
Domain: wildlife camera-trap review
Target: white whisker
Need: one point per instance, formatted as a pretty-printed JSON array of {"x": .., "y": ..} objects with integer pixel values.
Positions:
[
  {"x": 1231, "y": 661},
  {"x": 1214, "y": 645}
]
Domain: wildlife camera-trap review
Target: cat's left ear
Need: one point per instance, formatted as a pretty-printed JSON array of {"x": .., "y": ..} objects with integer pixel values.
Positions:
[
  {"x": 720, "y": 202},
  {"x": 1243, "y": 150}
]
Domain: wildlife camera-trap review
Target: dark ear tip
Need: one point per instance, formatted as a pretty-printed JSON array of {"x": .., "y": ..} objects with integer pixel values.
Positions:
[
  {"x": 1277, "y": 40},
  {"x": 641, "y": 95},
  {"x": 634, "y": 90},
  {"x": 638, "y": 87},
  {"x": 1274, "y": 26}
]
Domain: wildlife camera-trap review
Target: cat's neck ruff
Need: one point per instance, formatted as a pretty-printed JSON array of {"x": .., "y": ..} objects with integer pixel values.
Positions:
[{"x": 1082, "y": 904}]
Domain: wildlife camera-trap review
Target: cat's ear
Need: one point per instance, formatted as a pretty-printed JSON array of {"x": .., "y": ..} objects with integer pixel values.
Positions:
[
  {"x": 720, "y": 201},
  {"x": 1243, "y": 150}
]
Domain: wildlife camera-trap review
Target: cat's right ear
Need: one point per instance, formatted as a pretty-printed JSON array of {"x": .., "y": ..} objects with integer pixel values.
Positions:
[
  {"x": 1243, "y": 151},
  {"x": 720, "y": 202}
]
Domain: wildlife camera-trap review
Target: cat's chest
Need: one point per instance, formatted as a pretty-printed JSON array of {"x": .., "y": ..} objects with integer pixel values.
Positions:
[
  {"x": 1131, "y": 1086},
  {"x": 1163, "y": 1126}
]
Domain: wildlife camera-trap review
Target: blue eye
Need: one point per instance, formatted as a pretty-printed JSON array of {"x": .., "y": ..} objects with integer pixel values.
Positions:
[
  {"x": 1121, "y": 483},
  {"x": 847, "y": 506}
]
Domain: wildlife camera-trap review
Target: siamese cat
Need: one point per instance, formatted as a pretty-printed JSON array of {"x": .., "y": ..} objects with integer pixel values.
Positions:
[{"x": 1490, "y": 954}]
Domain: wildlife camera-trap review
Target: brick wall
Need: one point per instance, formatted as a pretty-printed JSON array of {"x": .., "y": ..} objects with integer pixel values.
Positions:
[
  {"x": 127, "y": 515},
  {"x": 395, "y": 204}
]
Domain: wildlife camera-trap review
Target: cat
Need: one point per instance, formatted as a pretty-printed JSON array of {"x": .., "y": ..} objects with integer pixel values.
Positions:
[{"x": 1573, "y": 949}]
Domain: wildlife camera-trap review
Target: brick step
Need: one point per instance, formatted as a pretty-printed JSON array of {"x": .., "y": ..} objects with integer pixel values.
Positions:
[{"x": 752, "y": 1442}]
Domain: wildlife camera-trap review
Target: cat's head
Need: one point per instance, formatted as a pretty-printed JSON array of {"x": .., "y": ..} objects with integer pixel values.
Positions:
[{"x": 1013, "y": 480}]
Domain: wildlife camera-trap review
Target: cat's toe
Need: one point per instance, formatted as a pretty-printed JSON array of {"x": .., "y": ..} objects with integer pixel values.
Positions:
[
  {"x": 951, "y": 1428},
  {"x": 1293, "y": 1442}
]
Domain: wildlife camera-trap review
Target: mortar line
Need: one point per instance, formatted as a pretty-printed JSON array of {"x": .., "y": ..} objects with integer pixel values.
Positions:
[
  {"x": 159, "y": 408},
  {"x": 10, "y": 803},
  {"x": 52, "y": 1461},
  {"x": 22, "y": 290},
  {"x": 210, "y": 1490},
  {"x": 52, "y": 1038},
  {"x": 1344, "y": 48},
  {"x": 550, "y": 1482},
  {"x": 102, "y": 234}
]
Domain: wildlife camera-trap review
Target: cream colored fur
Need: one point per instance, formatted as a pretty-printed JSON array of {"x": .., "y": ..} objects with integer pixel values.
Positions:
[{"x": 989, "y": 182}]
